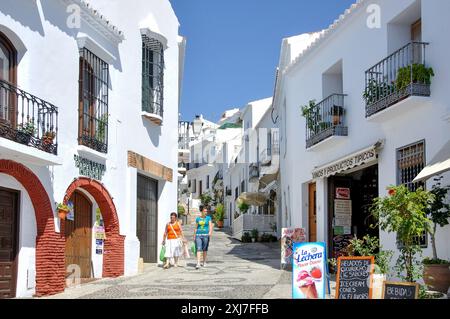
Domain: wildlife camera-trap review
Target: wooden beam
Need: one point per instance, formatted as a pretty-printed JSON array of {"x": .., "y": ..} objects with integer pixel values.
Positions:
[{"x": 147, "y": 165}]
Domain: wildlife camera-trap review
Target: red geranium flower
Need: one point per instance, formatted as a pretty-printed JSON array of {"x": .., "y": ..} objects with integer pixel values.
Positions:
[{"x": 391, "y": 192}]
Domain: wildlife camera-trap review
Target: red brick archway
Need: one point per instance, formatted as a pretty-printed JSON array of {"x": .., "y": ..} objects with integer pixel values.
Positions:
[
  {"x": 49, "y": 244},
  {"x": 113, "y": 257}
]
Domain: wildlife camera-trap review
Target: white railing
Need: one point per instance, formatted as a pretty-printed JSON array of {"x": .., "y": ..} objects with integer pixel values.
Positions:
[{"x": 247, "y": 222}]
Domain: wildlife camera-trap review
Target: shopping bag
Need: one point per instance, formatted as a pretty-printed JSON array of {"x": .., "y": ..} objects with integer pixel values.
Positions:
[
  {"x": 186, "y": 251},
  {"x": 194, "y": 248},
  {"x": 162, "y": 254}
]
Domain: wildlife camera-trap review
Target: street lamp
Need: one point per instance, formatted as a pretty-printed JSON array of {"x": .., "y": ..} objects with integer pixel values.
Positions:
[{"x": 197, "y": 125}]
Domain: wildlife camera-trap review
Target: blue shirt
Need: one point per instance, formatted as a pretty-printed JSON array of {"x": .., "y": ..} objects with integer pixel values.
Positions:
[{"x": 203, "y": 225}]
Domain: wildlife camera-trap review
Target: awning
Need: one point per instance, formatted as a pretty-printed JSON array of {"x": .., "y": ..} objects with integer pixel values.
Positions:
[
  {"x": 438, "y": 165},
  {"x": 253, "y": 199},
  {"x": 362, "y": 157},
  {"x": 267, "y": 179}
]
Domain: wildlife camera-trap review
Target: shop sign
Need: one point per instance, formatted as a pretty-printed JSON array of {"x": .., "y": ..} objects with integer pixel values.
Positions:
[
  {"x": 290, "y": 236},
  {"x": 358, "y": 159},
  {"x": 354, "y": 277},
  {"x": 400, "y": 290},
  {"x": 340, "y": 241},
  {"x": 309, "y": 272},
  {"x": 342, "y": 193}
]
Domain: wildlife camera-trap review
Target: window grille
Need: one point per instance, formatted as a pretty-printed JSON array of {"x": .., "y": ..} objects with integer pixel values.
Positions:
[
  {"x": 410, "y": 162},
  {"x": 152, "y": 76},
  {"x": 93, "y": 104}
]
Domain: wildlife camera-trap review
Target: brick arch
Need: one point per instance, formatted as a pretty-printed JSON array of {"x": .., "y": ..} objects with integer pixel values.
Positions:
[
  {"x": 113, "y": 255},
  {"x": 50, "y": 275}
]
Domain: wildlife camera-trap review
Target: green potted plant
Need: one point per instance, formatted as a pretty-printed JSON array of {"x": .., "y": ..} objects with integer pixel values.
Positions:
[
  {"x": 63, "y": 210},
  {"x": 219, "y": 215},
  {"x": 25, "y": 131},
  {"x": 311, "y": 113},
  {"x": 404, "y": 213},
  {"x": 206, "y": 200},
  {"x": 254, "y": 235},
  {"x": 436, "y": 272},
  {"x": 246, "y": 238},
  {"x": 370, "y": 246},
  {"x": 420, "y": 74},
  {"x": 243, "y": 207}
]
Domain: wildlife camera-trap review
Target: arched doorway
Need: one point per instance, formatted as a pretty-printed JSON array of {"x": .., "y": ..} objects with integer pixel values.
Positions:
[
  {"x": 49, "y": 244},
  {"x": 78, "y": 234},
  {"x": 113, "y": 257}
]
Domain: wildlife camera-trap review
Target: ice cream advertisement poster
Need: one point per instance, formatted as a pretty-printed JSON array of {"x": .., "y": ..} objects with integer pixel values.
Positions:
[{"x": 309, "y": 271}]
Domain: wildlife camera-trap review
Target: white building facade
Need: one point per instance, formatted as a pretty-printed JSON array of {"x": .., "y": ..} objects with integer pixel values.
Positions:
[
  {"x": 98, "y": 134},
  {"x": 351, "y": 148}
]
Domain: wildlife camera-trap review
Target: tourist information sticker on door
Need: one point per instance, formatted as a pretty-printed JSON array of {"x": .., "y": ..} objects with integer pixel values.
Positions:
[{"x": 309, "y": 271}]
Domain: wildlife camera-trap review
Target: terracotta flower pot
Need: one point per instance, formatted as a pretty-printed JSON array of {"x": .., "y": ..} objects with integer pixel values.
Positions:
[
  {"x": 62, "y": 214},
  {"x": 437, "y": 277},
  {"x": 220, "y": 223}
]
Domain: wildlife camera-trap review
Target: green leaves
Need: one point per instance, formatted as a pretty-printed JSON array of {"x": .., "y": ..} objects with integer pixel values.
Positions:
[{"x": 420, "y": 74}]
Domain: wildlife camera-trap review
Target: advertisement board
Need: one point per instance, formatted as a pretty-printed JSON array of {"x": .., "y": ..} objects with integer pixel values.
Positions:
[{"x": 290, "y": 236}]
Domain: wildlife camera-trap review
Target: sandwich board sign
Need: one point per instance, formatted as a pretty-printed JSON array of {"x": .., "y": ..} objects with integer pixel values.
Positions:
[
  {"x": 354, "y": 277},
  {"x": 309, "y": 271},
  {"x": 400, "y": 290}
]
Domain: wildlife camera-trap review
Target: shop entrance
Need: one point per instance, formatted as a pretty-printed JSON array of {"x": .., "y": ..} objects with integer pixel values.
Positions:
[
  {"x": 9, "y": 221},
  {"x": 79, "y": 235},
  {"x": 312, "y": 214},
  {"x": 350, "y": 198}
]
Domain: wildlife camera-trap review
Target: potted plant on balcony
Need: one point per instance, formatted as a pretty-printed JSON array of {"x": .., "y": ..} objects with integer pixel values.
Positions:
[
  {"x": 25, "y": 131},
  {"x": 47, "y": 140},
  {"x": 219, "y": 215},
  {"x": 420, "y": 74},
  {"x": 243, "y": 207},
  {"x": 254, "y": 235},
  {"x": 337, "y": 112},
  {"x": 311, "y": 114},
  {"x": 436, "y": 272},
  {"x": 404, "y": 213},
  {"x": 63, "y": 210}
]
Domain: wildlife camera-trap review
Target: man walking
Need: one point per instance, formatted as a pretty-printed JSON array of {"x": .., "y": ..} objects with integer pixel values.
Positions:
[{"x": 202, "y": 234}]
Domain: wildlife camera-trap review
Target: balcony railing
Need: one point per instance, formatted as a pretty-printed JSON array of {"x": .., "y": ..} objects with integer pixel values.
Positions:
[
  {"x": 400, "y": 75},
  {"x": 326, "y": 119},
  {"x": 27, "y": 119}
]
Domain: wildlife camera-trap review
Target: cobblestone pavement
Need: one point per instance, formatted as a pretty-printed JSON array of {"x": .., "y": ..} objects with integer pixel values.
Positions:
[{"x": 234, "y": 270}]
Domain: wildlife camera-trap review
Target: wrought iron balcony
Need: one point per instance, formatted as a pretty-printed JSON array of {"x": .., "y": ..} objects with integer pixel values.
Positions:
[
  {"x": 400, "y": 75},
  {"x": 326, "y": 119},
  {"x": 27, "y": 119}
]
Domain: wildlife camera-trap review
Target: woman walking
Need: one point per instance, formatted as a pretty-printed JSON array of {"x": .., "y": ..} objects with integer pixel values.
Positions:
[
  {"x": 202, "y": 234},
  {"x": 174, "y": 244}
]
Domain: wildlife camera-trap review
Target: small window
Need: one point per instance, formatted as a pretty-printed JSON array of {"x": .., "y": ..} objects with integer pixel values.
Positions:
[
  {"x": 93, "y": 102},
  {"x": 8, "y": 58},
  {"x": 152, "y": 76},
  {"x": 207, "y": 182}
]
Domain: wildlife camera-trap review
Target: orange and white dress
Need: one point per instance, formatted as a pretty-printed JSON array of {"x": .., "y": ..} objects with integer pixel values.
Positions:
[{"x": 173, "y": 242}]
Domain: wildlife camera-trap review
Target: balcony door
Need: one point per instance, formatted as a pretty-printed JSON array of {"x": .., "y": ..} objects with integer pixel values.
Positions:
[{"x": 8, "y": 60}]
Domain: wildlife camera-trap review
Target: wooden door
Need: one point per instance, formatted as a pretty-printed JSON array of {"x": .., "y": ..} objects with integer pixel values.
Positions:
[
  {"x": 79, "y": 235},
  {"x": 312, "y": 216},
  {"x": 147, "y": 218},
  {"x": 9, "y": 221}
]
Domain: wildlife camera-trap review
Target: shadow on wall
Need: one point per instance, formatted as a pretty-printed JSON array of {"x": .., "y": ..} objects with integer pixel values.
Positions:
[
  {"x": 153, "y": 131},
  {"x": 55, "y": 12},
  {"x": 25, "y": 12}
]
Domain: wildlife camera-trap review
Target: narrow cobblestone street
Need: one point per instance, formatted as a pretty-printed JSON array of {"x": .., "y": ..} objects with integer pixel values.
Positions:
[{"x": 234, "y": 270}]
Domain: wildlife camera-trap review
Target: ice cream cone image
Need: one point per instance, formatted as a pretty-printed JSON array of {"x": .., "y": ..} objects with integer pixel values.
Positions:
[{"x": 309, "y": 291}]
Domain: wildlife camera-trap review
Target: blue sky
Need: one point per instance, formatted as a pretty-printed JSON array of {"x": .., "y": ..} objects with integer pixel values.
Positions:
[{"x": 233, "y": 47}]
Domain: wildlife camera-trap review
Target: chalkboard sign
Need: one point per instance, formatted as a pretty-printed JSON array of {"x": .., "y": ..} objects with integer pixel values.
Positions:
[
  {"x": 400, "y": 290},
  {"x": 354, "y": 277}
]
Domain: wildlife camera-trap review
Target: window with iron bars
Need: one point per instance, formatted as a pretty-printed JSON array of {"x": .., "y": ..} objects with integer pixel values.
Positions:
[
  {"x": 410, "y": 162},
  {"x": 152, "y": 76},
  {"x": 93, "y": 102}
]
